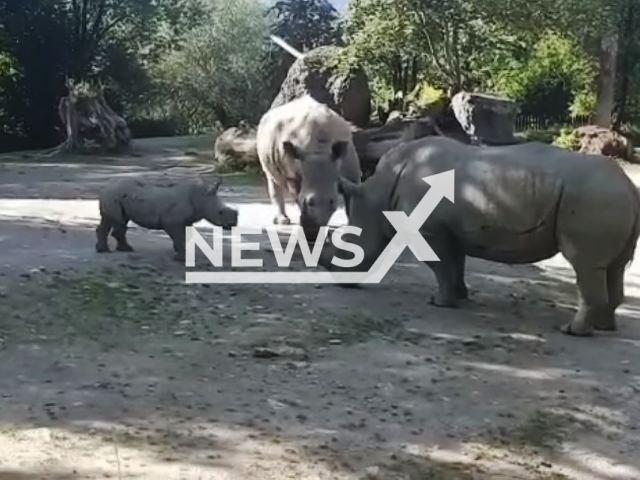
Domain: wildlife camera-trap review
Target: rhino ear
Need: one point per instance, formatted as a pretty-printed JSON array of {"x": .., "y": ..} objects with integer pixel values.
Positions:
[
  {"x": 291, "y": 150},
  {"x": 347, "y": 187},
  {"x": 338, "y": 150},
  {"x": 212, "y": 188}
]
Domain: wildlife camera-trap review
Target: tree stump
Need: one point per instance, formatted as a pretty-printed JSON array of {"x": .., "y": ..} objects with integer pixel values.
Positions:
[
  {"x": 91, "y": 125},
  {"x": 235, "y": 149}
]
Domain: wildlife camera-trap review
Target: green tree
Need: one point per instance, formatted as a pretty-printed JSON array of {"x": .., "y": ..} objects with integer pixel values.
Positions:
[
  {"x": 555, "y": 75},
  {"x": 305, "y": 24},
  {"x": 54, "y": 39},
  {"x": 450, "y": 42},
  {"x": 381, "y": 36},
  {"x": 605, "y": 28},
  {"x": 216, "y": 74}
]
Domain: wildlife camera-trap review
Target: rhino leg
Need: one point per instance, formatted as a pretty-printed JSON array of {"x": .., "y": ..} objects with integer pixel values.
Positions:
[
  {"x": 102, "y": 236},
  {"x": 177, "y": 234},
  {"x": 276, "y": 194},
  {"x": 615, "y": 289},
  {"x": 594, "y": 306},
  {"x": 461, "y": 286},
  {"x": 447, "y": 271},
  {"x": 120, "y": 234}
]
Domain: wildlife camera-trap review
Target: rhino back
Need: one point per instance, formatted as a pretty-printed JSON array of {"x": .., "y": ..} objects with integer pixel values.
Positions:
[
  {"x": 155, "y": 205},
  {"x": 309, "y": 125},
  {"x": 505, "y": 209}
]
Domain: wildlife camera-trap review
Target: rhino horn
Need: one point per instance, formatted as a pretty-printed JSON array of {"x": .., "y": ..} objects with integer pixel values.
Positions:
[{"x": 348, "y": 187}]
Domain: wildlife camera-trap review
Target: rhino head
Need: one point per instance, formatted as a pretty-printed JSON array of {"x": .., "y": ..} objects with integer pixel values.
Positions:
[
  {"x": 365, "y": 213},
  {"x": 317, "y": 191},
  {"x": 210, "y": 207}
]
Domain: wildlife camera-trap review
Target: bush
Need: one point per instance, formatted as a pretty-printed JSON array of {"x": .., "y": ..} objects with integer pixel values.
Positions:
[
  {"x": 542, "y": 136},
  {"x": 584, "y": 104},
  {"x": 556, "y": 77},
  {"x": 216, "y": 76},
  {"x": 567, "y": 139}
]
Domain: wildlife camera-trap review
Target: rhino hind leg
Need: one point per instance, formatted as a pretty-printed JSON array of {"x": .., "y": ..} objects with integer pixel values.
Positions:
[
  {"x": 461, "y": 286},
  {"x": 594, "y": 308},
  {"x": 102, "y": 236},
  {"x": 615, "y": 289},
  {"x": 120, "y": 234},
  {"x": 276, "y": 195},
  {"x": 447, "y": 271}
]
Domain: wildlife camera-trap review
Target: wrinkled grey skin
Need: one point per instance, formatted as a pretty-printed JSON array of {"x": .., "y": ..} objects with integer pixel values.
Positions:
[
  {"x": 304, "y": 147},
  {"x": 514, "y": 205},
  {"x": 170, "y": 206},
  {"x": 316, "y": 190}
]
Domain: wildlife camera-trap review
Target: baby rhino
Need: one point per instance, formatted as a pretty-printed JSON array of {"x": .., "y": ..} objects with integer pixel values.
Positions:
[{"x": 160, "y": 205}]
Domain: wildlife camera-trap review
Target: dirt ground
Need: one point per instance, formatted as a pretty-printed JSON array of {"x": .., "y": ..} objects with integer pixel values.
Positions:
[{"x": 112, "y": 367}]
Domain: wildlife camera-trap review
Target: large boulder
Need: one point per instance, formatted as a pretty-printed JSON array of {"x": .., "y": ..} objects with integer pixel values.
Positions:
[
  {"x": 372, "y": 143},
  {"x": 603, "y": 141},
  {"x": 318, "y": 75},
  {"x": 487, "y": 119},
  {"x": 235, "y": 148}
]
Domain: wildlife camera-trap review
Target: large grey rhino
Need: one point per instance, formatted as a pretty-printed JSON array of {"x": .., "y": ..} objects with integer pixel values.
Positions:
[
  {"x": 160, "y": 204},
  {"x": 304, "y": 147},
  {"x": 512, "y": 204}
]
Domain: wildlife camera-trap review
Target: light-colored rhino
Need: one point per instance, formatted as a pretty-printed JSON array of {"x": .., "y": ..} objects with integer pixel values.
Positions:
[
  {"x": 514, "y": 205},
  {"x": 303, "y": 147},
  {"x": 160, "y": 204}
]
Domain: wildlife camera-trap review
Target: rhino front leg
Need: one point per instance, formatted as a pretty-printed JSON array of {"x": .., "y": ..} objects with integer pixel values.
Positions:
[
  {"x": 178, "y": 236},
  {"x": 120, "y": 234},
  {"x": 102, "y": 236},
  {"x": 276, "y": 194},
  {"x": 594, "y": 302},
  {"x": 447, "y": 271}
]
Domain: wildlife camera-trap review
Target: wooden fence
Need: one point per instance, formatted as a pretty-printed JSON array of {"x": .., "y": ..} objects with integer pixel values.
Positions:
[{"x": 544, "y": 122}]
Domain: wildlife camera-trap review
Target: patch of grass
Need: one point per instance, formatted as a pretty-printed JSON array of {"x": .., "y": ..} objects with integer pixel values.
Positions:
[
  {"x": 120, "y": 303},
  {"x": 359, "y": 327}
]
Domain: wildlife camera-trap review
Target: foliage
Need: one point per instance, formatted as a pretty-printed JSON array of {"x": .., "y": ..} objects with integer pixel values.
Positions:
[
  {"x": 568, "y": 139},
  {"x": 380, "y": 36},
  {"x": 584, "y": 103},
  {"x": 451, "y": 43},
  {"x": 383, "y": 95},
  {"x": 555, "y": 75},
  {"x": 216, "y": 74},
  {"x": 425, "y": 95},
  {"x": 54, "y": 39},
  {"x": 305, "y": 24},
  {"x": 180, "y": 66}
]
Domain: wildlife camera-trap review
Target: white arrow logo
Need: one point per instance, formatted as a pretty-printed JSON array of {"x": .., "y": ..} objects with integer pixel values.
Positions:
[{"x": 407, "y": 235}]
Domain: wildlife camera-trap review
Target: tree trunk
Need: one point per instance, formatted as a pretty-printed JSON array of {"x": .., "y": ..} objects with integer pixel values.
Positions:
[
  {"x": 607, "y": 80},
  {"x": 90, "y": 124},
  {"x": 627, "y": 60}
]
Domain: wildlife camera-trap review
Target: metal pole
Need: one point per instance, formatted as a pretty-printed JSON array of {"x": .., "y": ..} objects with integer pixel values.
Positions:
[{"x": 287, "y": 47}]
